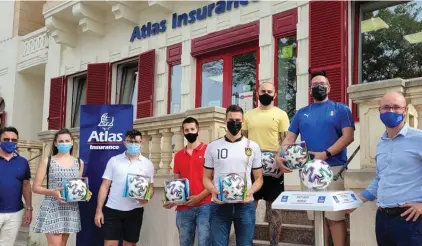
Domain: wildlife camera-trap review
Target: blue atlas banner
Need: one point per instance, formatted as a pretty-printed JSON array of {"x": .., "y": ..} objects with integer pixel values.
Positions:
[{"x": 102, "y": 131}]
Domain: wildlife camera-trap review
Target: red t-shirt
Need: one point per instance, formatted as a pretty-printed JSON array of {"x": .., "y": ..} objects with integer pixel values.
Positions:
[{"x": 191, "y": 167}]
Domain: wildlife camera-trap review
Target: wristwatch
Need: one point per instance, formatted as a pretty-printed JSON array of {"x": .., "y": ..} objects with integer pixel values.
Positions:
[
  {"x": 30, "y": 209},
  {"x": 327, "y": 153}
]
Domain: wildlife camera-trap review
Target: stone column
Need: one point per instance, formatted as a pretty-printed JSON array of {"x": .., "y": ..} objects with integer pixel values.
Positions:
[
  {"x": 414, "y": 95},
  {"x": 178, "y": 139},
  {"x": 166, "y": 151},
  {"x": 145, "y": 144},
  {"x": 155, "y": 148}
]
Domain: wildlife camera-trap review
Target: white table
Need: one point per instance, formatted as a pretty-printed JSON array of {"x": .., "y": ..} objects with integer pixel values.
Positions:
[{"x": 319, "y": 202}]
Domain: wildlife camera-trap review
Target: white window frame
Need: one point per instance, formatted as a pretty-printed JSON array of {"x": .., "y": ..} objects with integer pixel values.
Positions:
[
  {"x": 117, "y": 77},
  {"x": 71, "y": 81}
]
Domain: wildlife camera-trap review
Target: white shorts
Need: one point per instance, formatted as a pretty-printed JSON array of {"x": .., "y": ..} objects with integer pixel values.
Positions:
[
  {"x": 334, "y": 186},
  {"x": 10, "y": 223}
]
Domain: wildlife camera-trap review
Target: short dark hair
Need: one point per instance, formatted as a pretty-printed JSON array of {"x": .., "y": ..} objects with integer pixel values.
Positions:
[
  {"x": 9, "y": 129},
  {"x": 234, "y": 108},
  {"x": 190, "y": 120},
  {"x": 61, "y": 132},
  {"x": 132, "y": 133}
]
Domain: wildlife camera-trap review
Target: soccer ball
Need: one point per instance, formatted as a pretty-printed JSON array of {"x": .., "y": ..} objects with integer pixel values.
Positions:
[
  {"x": 269, "y": 166},
  {"x": 316, "y": 175},
  {"x": 295, "y": 155},
  {"x": 233, "y": 187},
  {"x": 175, "y": 191},
  {"x": 76, "y": 190},
  {"x": 137, "y": 186}
]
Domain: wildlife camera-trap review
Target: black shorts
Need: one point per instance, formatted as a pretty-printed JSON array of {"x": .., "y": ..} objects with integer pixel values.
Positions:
[
  {"x": 124, "y": 225},
  {"x": 270, "y": 190}
]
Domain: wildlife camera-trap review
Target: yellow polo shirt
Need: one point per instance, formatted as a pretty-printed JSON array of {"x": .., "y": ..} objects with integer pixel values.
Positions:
[{"x": 264, "y": 127}]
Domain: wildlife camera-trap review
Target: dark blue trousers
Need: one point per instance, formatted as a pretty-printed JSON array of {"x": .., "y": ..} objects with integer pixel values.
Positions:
[{"x": 394, "y": 230}]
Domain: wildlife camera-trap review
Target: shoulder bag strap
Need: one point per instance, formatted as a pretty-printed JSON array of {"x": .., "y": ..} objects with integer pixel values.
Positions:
[{"x": 48, "y": 169}]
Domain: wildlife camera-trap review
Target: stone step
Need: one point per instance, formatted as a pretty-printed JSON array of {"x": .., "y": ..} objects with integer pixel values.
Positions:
[
  {"x": 266, "y": 243},
  {"x": 295, "y": 217},
  {"x": 292, "y": 233},
  {"x": 20, "y": 243}
]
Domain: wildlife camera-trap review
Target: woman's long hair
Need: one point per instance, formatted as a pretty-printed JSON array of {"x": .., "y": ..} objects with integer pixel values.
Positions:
[{"x": 60, "y": 132}]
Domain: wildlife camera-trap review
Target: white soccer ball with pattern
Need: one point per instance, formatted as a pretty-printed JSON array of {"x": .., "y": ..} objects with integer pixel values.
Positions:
[
  {"x": 137, "y": 186},
  {"x": 233, "y": 187},
  {"x": 269, "y": 166},
  {"x": 175, "y": 191},
  {"x": 316, "y": 175},
  {"x": 76, "y": 190},
  {"x": 296, "y": 156}
]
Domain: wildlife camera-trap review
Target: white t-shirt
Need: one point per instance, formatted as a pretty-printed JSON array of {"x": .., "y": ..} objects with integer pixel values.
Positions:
[
  {"x": 230, "y": 157},
  {"x": 117, "y": 170}
]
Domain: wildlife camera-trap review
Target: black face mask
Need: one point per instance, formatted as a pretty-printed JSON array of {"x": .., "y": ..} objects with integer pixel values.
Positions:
[
  {"x": 191, "y": 137},
  {"x": 234, "y": 127},
  {"x": 265, "y": 99},
  {"x": 319, "y": 93}
]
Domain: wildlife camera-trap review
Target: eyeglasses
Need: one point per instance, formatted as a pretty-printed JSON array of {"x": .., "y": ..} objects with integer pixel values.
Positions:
[
  {"x": 315, "y": 84},
  {"x": 389, "y": 108},
  {"x": 10, "y": 140}
]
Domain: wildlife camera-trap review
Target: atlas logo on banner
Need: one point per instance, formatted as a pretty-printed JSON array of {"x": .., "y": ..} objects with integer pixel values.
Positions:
[{"x": 103, "y": 139}]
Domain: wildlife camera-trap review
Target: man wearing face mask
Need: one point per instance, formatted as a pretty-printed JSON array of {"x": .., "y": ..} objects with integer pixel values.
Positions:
[
  {"x": 267, "y": 126},
  {"x": 15, "y": 178},
  {"x": 232, "y": 154},
  {"x": 122, "y": 218},
  {"x": 188, "y": 163},
  {"x": 327, "y": 127},
  {"x": 397, "y": 182}
]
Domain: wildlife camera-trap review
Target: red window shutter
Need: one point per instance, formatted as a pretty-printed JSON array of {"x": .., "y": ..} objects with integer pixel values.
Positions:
[
  {"x": 146, "y": 73},
  {"x": 328, "y": 44},
  {"x": 57, "y": 107},
  {"x": 98, "y": 83}
]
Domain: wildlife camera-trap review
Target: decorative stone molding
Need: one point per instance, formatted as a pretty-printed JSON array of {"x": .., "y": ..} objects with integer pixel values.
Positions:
[
  {"x": 61, "y": 31},
  {"x": 125, "y": 13},
  {"x": 163, "y": 6},
  {"x": 90, "y": 20}
]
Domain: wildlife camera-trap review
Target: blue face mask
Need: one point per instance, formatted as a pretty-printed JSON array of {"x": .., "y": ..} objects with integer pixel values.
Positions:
[
  {"x": 391, "y": 119},
  {"x": 64, "y": 147},
  {"x": 8, "y": 147},
  {"x": 133, "y": 149}
]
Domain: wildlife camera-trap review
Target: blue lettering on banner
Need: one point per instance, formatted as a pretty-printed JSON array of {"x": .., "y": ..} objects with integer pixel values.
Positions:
[
  {"x": 177, "y": 20},
  {"x": 284, "y": 198},
  {"x": 102, "y": 131},
  {"x": 321, "y": 199},
  {"x": 354, "y": 197},
  {"x": 336, "y": 199}
]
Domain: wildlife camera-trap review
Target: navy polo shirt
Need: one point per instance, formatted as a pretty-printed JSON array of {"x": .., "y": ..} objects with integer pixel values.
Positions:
[
  {"x": 320, "y": 125},
  {"x": 12, "y": 175}
]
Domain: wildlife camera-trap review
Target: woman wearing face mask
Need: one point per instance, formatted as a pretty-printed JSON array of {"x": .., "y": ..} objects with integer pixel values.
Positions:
[{"x": 56, "y": 218}]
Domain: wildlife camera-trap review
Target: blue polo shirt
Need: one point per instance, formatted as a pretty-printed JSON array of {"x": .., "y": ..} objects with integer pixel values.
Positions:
[
  {"x": 320, "y": 125},
  {"x": 12, "y": 175}
]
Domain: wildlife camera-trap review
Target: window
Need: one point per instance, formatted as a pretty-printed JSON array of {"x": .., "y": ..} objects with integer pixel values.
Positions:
[
  {"x": 229, "y": 78},
  {"x": 175, "y": 88},
  {"x": 78, "y": 92},
  {"x": 390, "y": 41},
  {"x": 286, "y": 74},
  {"x": 127, "y": 86}
]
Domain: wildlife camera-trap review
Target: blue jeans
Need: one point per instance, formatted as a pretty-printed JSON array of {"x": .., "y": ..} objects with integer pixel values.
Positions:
[
  {"x": 394, "y": 230},
  {"x": 191, "y": 220},
  {"x": 221, "y": 218}
]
